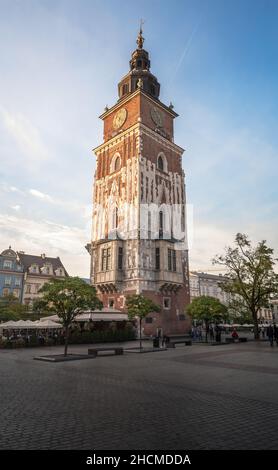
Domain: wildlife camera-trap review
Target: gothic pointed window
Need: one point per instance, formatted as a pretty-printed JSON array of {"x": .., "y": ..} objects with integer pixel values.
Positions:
[
  {"x": 160, "y": 163},
  {"x": 117, "y": 163}
]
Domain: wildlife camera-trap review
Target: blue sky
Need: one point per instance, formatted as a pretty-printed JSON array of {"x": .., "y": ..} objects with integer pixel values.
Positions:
[{"x": 217, "y": 61}]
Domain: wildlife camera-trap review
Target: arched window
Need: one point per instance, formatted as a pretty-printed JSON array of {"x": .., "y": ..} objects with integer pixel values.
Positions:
[
  {"x": 115, "y": 164},
  {"x": 160, "y": 163}
]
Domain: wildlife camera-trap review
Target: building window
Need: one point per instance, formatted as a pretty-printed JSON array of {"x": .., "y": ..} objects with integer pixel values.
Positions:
[
  {"x": 157, "y": 258},
  {"x": 111, "y": 303},
  {"x": 166, "y": 303},
  {"x": 120, "y": 258},
  {"x": 149, "y": 320},
  {"x": 8, "y": 264},
  {"x": 106, "y": 259},
  {"x": 8, "y": 281},
  {"x": 181, "y": 317},
  {"x": 16, "y": 293},
  {"x": 34, "y": 269},
  {"x": 124, "y": 89},
  {"x": 160, "y": 163},
  {"x": 6, "y": 292},
  {"x": 152, "y": 89},
  {"x": 139, "y": 63},
  {"x": 117, "y": 164},
  {"x": 172, "y": 260},
  {"x": 160, "y": 224},
  {"x": 28, "y": 289},
  {"x": 17, "y": 281}
]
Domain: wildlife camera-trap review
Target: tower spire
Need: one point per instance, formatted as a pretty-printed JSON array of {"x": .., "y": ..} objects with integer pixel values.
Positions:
[{"x": 140, "y": 40}]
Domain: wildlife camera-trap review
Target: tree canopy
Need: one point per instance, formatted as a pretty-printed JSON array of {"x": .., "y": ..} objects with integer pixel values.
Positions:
[
  {"x": 12, "y": 309},
  {"x": 207, "y": 309},
  {"x": 250, "y": 275},
  {"x": 67, "y": 298},
  {"x": 140, "y": 306}
]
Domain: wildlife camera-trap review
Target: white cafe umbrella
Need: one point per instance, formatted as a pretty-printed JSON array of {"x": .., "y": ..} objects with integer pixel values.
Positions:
[
  {"x": 48, "y": 324},
  {"x": 9, "y": 324}
]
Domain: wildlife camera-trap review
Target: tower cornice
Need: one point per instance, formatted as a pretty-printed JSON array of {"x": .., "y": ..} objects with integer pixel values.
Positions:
[
  {"x": 146, "y": 130},
  {"x": 120, "y": 103}
]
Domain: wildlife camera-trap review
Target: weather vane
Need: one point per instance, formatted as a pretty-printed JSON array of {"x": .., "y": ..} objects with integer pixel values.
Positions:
[{"x": 140, "y": 39}]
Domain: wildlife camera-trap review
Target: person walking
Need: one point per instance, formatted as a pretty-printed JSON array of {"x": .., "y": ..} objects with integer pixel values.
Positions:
[{"x": 270, "y": 334}]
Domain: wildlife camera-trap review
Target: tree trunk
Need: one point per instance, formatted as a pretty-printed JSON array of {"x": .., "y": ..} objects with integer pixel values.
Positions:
[
  {"x": 206, "y": 323},
  {"x": 66, "y": 340},
  {"x": 256, "y": 326},
  {"x": 140, "y": 333}
]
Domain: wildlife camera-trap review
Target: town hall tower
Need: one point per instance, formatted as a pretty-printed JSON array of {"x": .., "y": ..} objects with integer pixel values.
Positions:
[{"x": 139, "y": 218}]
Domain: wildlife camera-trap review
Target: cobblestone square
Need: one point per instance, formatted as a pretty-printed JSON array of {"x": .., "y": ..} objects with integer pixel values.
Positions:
[{"x": 198, "y": 397}]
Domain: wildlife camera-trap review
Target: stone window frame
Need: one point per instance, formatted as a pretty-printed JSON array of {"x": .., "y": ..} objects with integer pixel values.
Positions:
[
  {"x": 115, "y": 158},
  {"x": 169, "y": 300},
  {"x": 17, "y": 281},
  {"x": 7, "y": 264},
  {"x": 8, "y": 281},
  {"x": 164, "y": 160}
]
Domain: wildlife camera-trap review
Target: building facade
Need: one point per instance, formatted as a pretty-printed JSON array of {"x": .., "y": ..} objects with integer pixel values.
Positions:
[
  {"x": 207, "y": 284},
  {"x": 37, "y": 271},
  {"x": 139, "y": 220},
  {"x": 11, "y": 274}
]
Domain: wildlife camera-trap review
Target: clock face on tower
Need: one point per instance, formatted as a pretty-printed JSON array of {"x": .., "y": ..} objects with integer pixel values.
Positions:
[
  {"x": 156, "y": 117},
  {"x": 119, "y": 118}
]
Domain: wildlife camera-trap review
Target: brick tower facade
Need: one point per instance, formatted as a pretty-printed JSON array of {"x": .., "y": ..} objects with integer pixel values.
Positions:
[{"x": 139, "y": 219}]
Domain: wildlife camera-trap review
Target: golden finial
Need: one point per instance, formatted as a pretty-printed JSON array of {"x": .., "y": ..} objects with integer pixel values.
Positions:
[{"x": 140, "y": 40}]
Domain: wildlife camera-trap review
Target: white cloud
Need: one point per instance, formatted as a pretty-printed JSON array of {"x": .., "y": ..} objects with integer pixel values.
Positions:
[
  {"x": 40, "y": 195},
  {"x": 16, "y": 207},
  {"x": 25, "y": 134},
  {"x": 36, "y": 237}
]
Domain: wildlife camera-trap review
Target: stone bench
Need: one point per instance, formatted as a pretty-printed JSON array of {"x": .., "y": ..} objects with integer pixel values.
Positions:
[
  {"x": 233, "y": 340},
  {"x": 94, "y": 351},
  {"x": 172, "y": 344}
]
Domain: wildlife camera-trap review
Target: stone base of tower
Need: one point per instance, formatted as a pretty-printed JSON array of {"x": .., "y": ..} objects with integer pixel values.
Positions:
[{"x": 172, "y": 319}]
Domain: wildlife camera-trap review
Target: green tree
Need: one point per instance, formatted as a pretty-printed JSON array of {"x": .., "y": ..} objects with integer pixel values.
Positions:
[
  {"x": 250, "y": 275},
  {"x": 140, "y": 306},
  {"x": 11, "y": 309},
  {"x": 208, "y": 310},
  {"x": 68, "y": 298}
]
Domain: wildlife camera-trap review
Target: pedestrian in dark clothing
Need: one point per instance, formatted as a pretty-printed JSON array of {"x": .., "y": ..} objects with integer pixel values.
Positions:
[
  {"x": 275, "y": 333},
  {"x": 270, "y": 334},
  {"x": 218, "y": 334}
]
